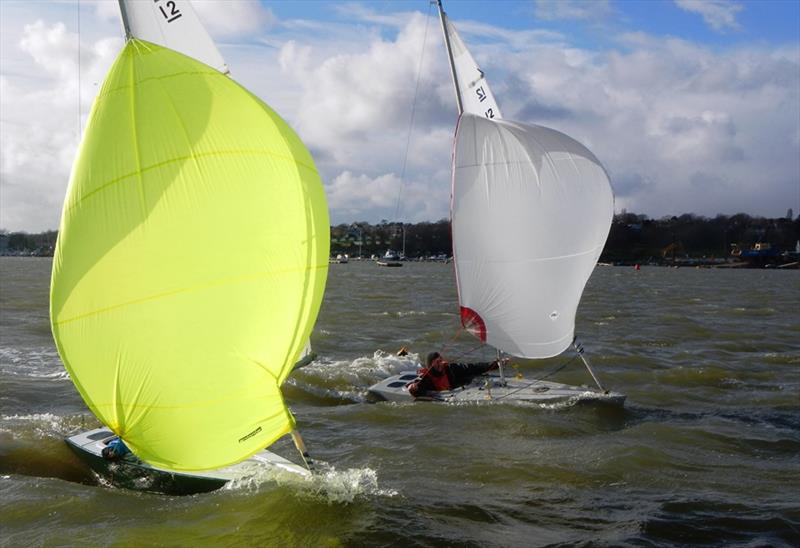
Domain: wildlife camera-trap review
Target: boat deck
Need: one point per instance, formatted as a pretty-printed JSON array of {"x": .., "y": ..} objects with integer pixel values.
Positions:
[{"x": 491, "y": 389}]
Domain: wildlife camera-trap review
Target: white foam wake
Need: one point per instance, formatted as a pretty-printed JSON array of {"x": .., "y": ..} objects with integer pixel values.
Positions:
[
  {"x": 349, "y": 379},
  {"x": 325, "y": 483},
  {"x": 43, "y": 425}
]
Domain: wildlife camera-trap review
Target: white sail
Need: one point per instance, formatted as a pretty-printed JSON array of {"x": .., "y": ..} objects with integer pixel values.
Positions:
[
  {"x": 531, "y": 210},
  {"x": 173, "y": 24},
  {"x": 473, "y": 89}
]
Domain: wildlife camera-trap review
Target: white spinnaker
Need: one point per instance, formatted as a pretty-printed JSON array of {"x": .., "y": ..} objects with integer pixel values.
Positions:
[
  {"x": 476, "y": 97},
  {"x": 531, "y": 210},
  {"x": 173, "y": 24}
]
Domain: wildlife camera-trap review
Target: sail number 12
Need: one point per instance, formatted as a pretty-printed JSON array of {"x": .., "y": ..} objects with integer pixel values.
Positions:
[
  {"x": 481, "y": 98},
  {"x": 171, "y": 13}
]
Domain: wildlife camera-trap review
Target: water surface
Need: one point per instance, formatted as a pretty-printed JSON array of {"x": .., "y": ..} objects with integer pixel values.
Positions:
[{"x": 706, "y": 451}]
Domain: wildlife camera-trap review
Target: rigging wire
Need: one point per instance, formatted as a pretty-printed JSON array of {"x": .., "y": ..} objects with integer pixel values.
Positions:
[
  {"x": 413, "y": 113},
  {"x": 540, "y": 379},
  {"x": 451, "y": 344}
]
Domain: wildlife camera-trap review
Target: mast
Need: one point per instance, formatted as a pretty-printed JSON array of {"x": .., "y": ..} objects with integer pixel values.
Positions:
[
  {"x": 442, "y": 16},
  {"x": 125, "y": 22}
]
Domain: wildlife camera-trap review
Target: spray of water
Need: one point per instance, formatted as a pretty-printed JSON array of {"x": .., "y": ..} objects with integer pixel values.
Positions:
[
  {"x": 349, "y": 380},
  {"x": 326, "y": 483}
]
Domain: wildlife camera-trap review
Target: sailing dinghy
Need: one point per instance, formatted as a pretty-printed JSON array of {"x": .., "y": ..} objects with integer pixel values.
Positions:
[
  {"x": 531, "y": 210},
  {"x": 190, "y": 265}
]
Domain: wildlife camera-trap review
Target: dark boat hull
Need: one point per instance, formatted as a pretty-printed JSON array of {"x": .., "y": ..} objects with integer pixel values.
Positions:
[{"x": 131, "y": 473}]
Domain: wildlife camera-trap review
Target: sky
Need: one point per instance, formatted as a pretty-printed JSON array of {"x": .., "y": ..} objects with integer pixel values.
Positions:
[{"x": 693, "y": 106}]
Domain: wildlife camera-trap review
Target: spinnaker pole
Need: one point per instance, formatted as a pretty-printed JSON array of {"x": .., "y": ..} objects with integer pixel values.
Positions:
[
  {"x": 301, "y": 447},
  {"x": 442, "y": 17}
]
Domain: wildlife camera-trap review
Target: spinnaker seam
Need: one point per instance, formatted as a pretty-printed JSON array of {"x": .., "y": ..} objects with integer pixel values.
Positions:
[
  {"x": 199, "y": 287},
  {"x": 216, "y": 153}
]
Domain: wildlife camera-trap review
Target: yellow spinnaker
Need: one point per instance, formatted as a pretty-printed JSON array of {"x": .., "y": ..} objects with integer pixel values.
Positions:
[{"x": 191, "y": 262}]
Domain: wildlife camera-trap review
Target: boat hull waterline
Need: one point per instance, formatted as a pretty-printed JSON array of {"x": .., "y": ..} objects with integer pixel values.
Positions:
[
  {"x": 492, "y": 389},
  {"x": 133, "y": 473}
]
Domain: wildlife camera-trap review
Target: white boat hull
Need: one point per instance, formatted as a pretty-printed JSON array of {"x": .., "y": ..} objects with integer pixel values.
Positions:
[
  {"x": 130, "y": 472},
  {"x": 490, "y": 389}
]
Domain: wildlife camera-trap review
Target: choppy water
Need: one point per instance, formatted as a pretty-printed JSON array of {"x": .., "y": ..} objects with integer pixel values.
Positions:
[{"x": 706, "y": 451}]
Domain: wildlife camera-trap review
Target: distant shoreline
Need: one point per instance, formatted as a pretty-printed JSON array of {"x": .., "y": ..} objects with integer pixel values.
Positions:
[
  {"x": 725, "y": 266},
  {"x": 737, "y": 241}
]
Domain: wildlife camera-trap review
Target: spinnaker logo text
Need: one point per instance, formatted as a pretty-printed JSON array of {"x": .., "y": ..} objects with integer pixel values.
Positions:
[{"x": 250, "y": 435}]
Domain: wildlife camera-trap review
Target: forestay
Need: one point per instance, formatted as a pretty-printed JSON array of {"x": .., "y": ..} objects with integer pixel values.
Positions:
[
  {"x": 190, "y": 264},
  {"x": 473, "y": 89},
  {"x": 531, "y": 210},
  {"x": 173, "y": 24}
]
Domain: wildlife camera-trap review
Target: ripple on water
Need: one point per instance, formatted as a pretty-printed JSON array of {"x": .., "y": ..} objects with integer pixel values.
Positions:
[
  {"x": 706, "y": 449},
  {"x": 37, "y": 362},
  {"x": 704, "y": 521}
]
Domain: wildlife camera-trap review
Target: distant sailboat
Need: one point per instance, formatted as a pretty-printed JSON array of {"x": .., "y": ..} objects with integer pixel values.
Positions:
[
  {"x": 390, "y": 258},
  {"x": 531, "y": 210},
  {"x": 190, "y": 265}
]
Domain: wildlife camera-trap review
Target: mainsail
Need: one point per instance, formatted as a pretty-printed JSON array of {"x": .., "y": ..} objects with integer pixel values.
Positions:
[
  {"x": 190, "y": 264},
  {"x": 531, "y": 210},
  {"x": 172, "y": 24},
  {"x": 472, "y": 90}
]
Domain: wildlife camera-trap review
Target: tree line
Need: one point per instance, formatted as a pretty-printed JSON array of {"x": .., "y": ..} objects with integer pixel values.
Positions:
[
  {"x": 22, "y": 243},
  {"x": 634, "y": 238}
]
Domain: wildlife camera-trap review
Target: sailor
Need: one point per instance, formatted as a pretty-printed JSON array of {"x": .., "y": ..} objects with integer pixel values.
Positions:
[
  {"x": 438, "y": 374},
  {"x": 115, "y": 449}
]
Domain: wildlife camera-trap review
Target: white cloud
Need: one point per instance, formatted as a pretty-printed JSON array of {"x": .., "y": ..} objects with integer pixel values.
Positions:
[
  {"x": 41, "y": 121},
  {"x": 353, "y": 109},
  {"x": 106, "y": 10},
  {"x": 226, "y": 19},
  {"x": 718, "y": 14},
  {"x": 360, "y": 197},
  {"x": 681, "y": 127},
  {"x": 360, "y": 12}
]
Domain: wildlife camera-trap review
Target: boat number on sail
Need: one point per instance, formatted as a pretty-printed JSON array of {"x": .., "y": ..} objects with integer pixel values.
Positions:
[
  {"x": 481, "y": 93},
  {"x": 250, "y": 435},
  {"x": 171, "y": 13}
]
